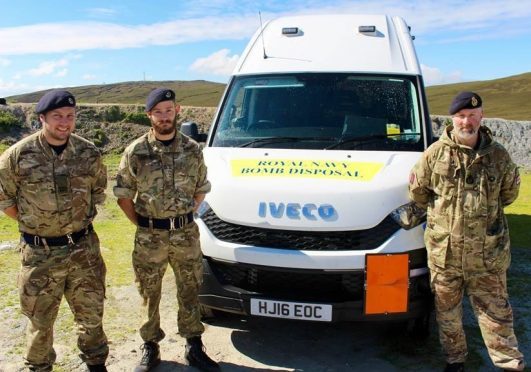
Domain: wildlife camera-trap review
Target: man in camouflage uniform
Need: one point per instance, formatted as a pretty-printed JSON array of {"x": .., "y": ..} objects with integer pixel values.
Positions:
[
  {"x": 464, "y": 180},
  {"x": 51, "y": 182},
  {"x": 160, "y": 183}
]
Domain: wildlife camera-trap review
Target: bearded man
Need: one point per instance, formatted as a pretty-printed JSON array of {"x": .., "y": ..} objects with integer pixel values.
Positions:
[{"x": 161, "y": 181}]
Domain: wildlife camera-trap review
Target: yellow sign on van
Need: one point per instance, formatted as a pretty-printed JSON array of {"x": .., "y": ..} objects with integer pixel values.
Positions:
[{"x": 331, "y": 169}]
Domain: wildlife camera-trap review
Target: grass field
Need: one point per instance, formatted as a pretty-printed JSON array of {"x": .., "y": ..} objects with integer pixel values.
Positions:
[
  {"x": 188, "y": 93},
  {"x": 503, "y": 98},
  {"x": 117, "y": 233},
  {"x": 506, "y": 98},
  {"x": 519, "y": 215}
]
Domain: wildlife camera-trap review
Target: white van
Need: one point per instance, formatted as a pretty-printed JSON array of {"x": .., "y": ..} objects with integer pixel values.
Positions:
[{"x": 309, "y": 156}]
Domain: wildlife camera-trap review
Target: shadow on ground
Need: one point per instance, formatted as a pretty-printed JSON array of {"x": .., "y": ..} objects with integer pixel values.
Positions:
[{"x": 294, "y": 345}]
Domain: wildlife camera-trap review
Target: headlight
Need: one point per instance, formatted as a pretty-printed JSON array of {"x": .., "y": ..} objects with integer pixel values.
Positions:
[{"x": 408, "y": 215}]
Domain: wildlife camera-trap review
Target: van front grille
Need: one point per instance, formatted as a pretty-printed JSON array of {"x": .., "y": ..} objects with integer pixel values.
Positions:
[
  {"x": 291, "y": 284},
  {"x": 301, "y": 240}
]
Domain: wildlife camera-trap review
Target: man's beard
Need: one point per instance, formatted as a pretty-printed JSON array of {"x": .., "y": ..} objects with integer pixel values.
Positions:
[
  {"x": 166, "y": 129},
  {"x": 465, "y": 134}
]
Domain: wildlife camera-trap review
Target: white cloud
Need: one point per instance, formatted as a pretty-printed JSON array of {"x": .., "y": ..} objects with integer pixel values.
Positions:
[
  {"x": 10, "y": 88},
  {"x": 62, "y": 72},
  {"x": 48, "y": 67},
  {"x": 17, "y": 76},
  {"x": 71, "y": 36},
  {"x": 218, "y": 63},
  {"x": 502, "y": 17},
  {"x": 101, "y": 12},
  {"x": 4, "y": 62},
  {"x": 230, "y": 20},
  {"x": 434, "y": 76},
  {"x": 89, "y": 77}
]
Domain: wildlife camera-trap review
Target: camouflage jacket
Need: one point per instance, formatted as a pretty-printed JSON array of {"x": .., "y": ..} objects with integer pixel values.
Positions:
[
  {"x": 162, "y": 179},
  {"x": 464, "y": 191},
  {"x": 54, "y": 195}
]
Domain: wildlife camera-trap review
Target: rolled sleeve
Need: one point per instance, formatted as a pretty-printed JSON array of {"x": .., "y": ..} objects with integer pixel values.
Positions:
[
  {"x": 203, "y": 186},
  {"x": 510, "y": 186},
  {"x": 419, "y": 183},
  {"x": 100, "y": 184},
  {"x": 8, "y": 187},
  {"x": 125, "y": 187}
]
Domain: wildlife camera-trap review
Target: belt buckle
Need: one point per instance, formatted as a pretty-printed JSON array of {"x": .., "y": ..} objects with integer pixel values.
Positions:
[
  {"x": 70, "y": 240},
  {"x": 172, "y": 223}
]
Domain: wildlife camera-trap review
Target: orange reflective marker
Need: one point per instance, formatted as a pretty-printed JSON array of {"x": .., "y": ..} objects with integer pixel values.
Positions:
[{"x": 386, "y": 283}]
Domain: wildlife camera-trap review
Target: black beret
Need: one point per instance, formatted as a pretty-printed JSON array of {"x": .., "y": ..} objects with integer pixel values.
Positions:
[
  {"x": 465, "y": 100},
  {"x": 159, "y": 95},
  {"x": 55, "y": 99}
]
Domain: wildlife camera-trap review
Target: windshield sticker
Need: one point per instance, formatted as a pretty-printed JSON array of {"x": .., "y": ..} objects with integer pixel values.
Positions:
[{"x": 331, "y": 169}]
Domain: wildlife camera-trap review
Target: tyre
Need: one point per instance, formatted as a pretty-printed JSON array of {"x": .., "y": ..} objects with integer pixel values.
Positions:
[{"x": 419, "y": 328}]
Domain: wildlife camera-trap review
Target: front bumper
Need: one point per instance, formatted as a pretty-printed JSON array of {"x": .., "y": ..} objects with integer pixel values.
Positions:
[{"x": 229, "y": 286}]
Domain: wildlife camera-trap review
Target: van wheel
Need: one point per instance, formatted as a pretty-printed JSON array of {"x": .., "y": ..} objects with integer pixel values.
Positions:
[{"x": 419, "y": 328}]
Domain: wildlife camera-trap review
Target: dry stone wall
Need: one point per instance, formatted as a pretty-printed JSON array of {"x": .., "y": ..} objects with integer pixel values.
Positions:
[{"x": 514, "y": 135}]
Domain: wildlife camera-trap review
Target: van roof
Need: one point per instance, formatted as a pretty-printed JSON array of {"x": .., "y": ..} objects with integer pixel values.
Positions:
[{"x": 331, "y": 43}]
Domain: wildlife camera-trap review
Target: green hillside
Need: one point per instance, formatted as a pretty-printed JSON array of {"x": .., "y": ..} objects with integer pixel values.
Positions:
[
  {"x": 188, "y": 93},
  {"x": 507, "y": 98}
]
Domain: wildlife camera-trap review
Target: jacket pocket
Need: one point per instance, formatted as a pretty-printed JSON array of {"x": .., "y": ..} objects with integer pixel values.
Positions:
[
  {"x": 437, "y": 247},
  {"x": 496, "y": 252}
]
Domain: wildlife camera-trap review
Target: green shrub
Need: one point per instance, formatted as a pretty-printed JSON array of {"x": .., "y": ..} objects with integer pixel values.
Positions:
[
  {"x": 98, "y": 137},
  {"x": 3, "y": 147},
  {"x": 7, "y": 121},
  {"x": 137, "y": 118},
  {"x": 113, "y": 114}
]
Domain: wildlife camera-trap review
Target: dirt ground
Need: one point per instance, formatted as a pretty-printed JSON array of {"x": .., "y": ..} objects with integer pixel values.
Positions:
[{"x": 262, "y": 344}]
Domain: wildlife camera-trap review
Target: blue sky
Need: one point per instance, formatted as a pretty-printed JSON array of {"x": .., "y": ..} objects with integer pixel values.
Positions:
[{"x": 56, "y": 43}]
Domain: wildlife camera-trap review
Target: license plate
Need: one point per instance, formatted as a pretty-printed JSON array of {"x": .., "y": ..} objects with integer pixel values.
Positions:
[{"x": 291, "y": 310}]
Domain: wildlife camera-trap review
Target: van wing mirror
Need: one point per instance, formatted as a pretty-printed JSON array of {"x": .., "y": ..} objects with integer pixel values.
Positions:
[{"x": 191, "y": 130}]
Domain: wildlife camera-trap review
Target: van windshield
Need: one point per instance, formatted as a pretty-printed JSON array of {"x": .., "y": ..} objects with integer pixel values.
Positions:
[{"x": 321, "y": 111}]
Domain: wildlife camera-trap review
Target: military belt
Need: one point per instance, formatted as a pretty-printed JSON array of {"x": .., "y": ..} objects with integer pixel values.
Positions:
[
  {"x": 56, "y": 241},
  {"x": 172, "y": 223}
]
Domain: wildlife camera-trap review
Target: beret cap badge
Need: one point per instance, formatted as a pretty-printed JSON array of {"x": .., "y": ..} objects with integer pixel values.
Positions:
[
  {"x": 55, "y": 99},
  {"x": 464, "y": 100},
  {"x": 158, "y": 95}
]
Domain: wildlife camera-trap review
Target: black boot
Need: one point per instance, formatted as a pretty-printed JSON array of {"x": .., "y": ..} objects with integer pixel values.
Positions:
[
  {"x": 196, "y": 357},
  {"x": 96, "y": 368},
  {"x": 454, "y": 367},
  {"x": 150, "y": 357}
]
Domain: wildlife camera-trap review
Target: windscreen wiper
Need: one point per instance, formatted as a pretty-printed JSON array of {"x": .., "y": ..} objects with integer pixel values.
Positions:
[
  {"x": 368, "y": 139},
  {"x": 265, "y": 140}
]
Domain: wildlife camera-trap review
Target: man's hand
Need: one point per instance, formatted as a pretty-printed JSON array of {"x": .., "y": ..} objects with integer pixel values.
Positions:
[
  {"x": 128, "y": 207},
  {"x": 198, "y": 199},
  {"x": 12, "y": 212}
]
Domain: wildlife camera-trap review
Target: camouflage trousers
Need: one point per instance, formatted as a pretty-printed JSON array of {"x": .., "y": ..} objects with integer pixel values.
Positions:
[
  {"x": 48, "y": 273},
  {"x": 154, "y": 250},
  {"x": 490, "y": 302}
]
